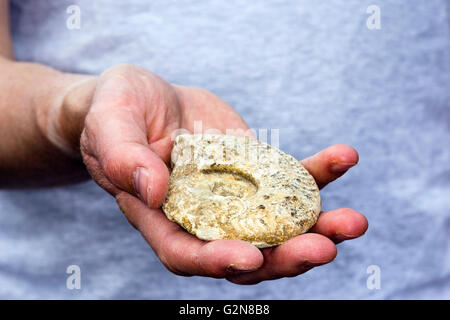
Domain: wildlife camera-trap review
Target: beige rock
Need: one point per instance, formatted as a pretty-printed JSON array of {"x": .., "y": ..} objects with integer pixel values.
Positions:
[{"x": 226, "y": 187}]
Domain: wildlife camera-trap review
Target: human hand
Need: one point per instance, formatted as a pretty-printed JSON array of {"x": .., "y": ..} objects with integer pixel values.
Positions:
[
  {"x": 126, "y": 144},
  {"x": 128, "y": 131}
]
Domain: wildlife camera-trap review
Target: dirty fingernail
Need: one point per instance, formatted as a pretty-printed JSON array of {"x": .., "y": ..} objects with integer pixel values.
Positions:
[
  {"x": 238, "y": 270},
  {"x": 341, "y": 237}
]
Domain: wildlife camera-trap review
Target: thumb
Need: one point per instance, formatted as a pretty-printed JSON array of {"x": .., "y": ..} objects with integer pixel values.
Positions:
[
  {"x": 118, "y": 156},
  {"x": 135, "y": 168},
  {"x": 126, "y": 166},
  {"x": 115, "y": 142}
]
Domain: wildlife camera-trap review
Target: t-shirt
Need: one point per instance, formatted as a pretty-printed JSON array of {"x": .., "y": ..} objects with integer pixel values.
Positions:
[{"x": 371, "y": 74}]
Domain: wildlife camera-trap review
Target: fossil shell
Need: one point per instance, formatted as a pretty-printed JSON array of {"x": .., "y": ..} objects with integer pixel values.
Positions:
[{"x": 227, "y": 187}]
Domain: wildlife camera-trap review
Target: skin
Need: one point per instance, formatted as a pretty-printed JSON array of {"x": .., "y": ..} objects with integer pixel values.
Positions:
[{"x": 58, "y": 128}]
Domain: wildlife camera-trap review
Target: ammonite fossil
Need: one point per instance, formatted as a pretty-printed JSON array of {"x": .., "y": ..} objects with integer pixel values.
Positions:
[{"x": 228, "y": 187}]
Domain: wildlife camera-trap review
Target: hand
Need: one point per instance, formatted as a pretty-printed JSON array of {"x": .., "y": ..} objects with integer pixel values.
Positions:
[{"x": 126, "y": 145}]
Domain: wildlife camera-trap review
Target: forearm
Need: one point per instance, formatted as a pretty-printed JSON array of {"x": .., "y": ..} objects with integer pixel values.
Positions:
[{"x": 41, "y": 117}]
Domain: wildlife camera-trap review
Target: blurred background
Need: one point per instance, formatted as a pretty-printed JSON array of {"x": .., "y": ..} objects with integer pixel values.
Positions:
[{"x": 320, "y": 72}]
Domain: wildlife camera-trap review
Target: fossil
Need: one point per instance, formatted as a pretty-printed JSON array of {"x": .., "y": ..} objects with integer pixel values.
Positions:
[{"x": 227, "y": 187}]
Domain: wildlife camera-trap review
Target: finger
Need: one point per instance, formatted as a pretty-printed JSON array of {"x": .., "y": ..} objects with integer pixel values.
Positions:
[
  {"x": 290, "y": 259},
  {"x": 184, "y": 254},
  {"x": 116, "y": 129},
  {"x": 341, "y": 224},
  {"x": 330, "y": 163}
]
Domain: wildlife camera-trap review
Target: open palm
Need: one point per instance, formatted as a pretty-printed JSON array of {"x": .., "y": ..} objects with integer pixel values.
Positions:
[{"x": 126, "y": 146}]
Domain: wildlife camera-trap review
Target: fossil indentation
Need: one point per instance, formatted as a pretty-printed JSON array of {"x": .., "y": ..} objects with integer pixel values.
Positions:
[{"x": 226, "y": 181}]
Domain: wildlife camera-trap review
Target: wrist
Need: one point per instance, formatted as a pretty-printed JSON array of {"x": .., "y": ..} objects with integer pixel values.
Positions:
[
  {"x": 65, "y": 117},
  {"x": 74, "y": 108}
]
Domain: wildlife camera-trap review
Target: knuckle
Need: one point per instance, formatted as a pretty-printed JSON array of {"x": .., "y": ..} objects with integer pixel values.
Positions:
[
  {"x": 114, "y": 161},
  {"x": 111, "y": 166},
  {"x": 169, "y": 266},
  {"x": 165, "y": 261},
  {"x": 119, "y": 68},
  {"x": 205, "y": 93}
]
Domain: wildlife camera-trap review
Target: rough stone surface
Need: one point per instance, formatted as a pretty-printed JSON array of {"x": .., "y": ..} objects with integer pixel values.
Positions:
[{"x": 227, "y": 187}]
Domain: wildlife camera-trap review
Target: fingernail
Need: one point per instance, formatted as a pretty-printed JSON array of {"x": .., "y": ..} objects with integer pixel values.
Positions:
[
  {"x": 309, "y": 265},
  {"x": 142, "y": 184},
  {"x": 237, "y": 270},
  {"x": 341, "y": 237},
  {"x": 341, "y": 166}
]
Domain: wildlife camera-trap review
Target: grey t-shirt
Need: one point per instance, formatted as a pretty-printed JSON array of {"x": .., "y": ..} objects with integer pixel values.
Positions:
[{"x": 312, "y": 69}]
